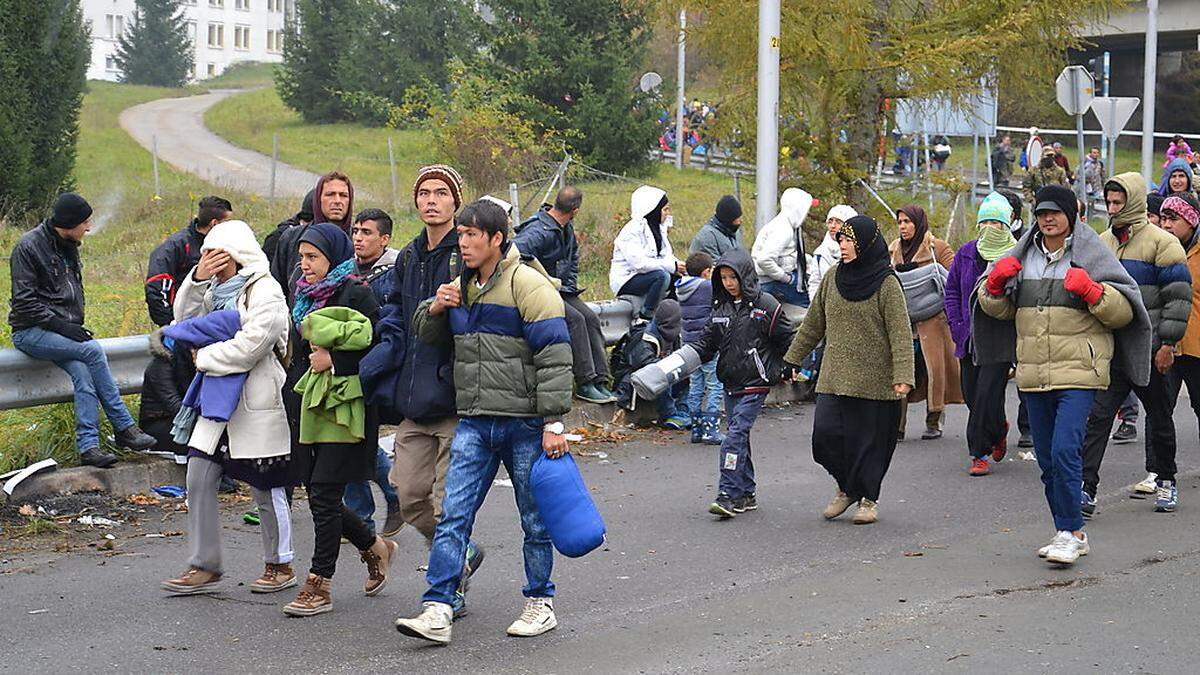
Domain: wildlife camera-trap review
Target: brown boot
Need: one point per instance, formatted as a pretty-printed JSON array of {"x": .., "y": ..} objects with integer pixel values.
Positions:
[
  {"x": 277, "y": 577},
  {"x": 193, "y": 582},
  {"x": 933, "y": 426},
  {"x": 314, "y": 598},
  {"x": 378, "y": 559}
]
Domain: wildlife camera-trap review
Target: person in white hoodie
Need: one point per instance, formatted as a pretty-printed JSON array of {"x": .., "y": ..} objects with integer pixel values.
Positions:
[
  {"x": 643, "y": 261},
  {"x": 829, "y": 253},
  {"x": 778, "y": 252},
  {"x": 253, "y": 446}
]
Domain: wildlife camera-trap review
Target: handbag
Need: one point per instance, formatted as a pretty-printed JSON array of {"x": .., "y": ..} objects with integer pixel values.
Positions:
[{"x": 924, "y": 291}]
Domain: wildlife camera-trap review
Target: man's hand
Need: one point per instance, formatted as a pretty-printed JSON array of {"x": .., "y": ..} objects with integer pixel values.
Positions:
[
  {"x": 320, "y": 360},
  {"x": 211, "y": 262},
  {"x": 901, "y": 389},
  {"x": 1164, "y": 358},
  {"x": 554, "y": 444},
  {"x": 447, "y": 296},
  {"x": 680, "y": 268}
]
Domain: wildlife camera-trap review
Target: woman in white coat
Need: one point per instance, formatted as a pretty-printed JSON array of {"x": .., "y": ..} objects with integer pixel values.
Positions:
[
  {"x": 829, "y": 253},
  {"x": 778, "y": 251},
  {"x": 254, "y": 445},
  {"x": 643, "y": 261}
]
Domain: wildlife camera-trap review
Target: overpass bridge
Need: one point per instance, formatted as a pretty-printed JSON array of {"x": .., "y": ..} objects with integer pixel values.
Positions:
[{"x": 1125, "y": 31}]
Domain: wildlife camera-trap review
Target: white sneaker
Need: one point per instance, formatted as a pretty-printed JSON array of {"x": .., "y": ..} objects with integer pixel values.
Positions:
[
  {"x": 1059, "y": 538},
  {"x": 1069, "y": 550},
  {"x": 1148, "y": 486},
  {"x": 537, "y": 618},
  {"x": 433, "y": 623}
]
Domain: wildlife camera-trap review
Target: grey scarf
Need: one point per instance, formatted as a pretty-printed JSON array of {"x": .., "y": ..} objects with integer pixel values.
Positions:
[{"x": 225, "y": 294}]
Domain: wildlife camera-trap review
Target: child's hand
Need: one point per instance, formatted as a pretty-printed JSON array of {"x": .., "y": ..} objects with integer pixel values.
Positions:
[
  {"x": 901, "y": 389},
  {"x": 320, "y": 360}
]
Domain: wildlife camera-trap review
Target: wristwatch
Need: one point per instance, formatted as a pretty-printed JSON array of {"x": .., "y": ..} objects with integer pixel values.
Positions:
[{"x": 554, "y": 427}]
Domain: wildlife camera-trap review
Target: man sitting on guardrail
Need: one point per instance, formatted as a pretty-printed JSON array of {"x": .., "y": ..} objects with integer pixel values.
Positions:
[{"x": 46, "y": 316}]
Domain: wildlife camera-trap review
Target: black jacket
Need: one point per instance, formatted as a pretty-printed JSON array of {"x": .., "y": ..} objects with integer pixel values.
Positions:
[
  {"x": 169, "y": 264},
  {"x": 405, "y": 376},
  {"x": 285, "y": 263},
  {"x": 554, "y": 246},
  {"x": 750, "y": 337},
  {"x": 638, "y": 349},
  {"x": 164, "y": 383},
  {"x": 47, "y": 280},
  {"x": 271, "y": 244}
]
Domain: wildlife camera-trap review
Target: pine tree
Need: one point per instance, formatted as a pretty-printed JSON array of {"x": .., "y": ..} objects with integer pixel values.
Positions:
[
  {"x": 156, "y": 49},
  {"x": 313, "y": 47}
]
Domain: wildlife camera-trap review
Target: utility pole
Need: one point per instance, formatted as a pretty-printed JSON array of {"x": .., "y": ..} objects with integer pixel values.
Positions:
[
  {"x": 680, "y": 73},
  {"x": 1148, "y": 86},
  {"x": 767, "y": 151}
]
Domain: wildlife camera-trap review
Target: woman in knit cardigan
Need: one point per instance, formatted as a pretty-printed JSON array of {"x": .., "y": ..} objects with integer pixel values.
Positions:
[
  {"x": 859, "y": 311},
  {"x": 917, "y": 247}
]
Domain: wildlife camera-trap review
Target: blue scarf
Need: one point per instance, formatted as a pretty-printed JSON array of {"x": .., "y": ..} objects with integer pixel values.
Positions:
[
  {"x": 311, "y": 297},
  {"x": 225, "y": 294}
]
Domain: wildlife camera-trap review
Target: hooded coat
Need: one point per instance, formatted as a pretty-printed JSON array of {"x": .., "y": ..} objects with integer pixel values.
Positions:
[
  {"x": 780, "y": 243},
  {"x": 1181, "y": 164},
  {"x": 634, "y": 250},
  {"x": 552, "y": 245},
  {"x": 258, "y": 427},
  {"x": 285, "y": 265}
]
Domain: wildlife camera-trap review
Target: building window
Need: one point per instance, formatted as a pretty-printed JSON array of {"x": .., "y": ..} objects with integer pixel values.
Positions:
[
  {"x": 274, "y": 41},
  {"x": 212, "y": 69},
  {"x": 243, "y": 5},
  {"x": 274, "y": 6},
  {"x": 241, "y": 37},
  {"x": 115, "y": 25},
  {"x": 110, "y": 64},
  {"x": 216, "y": 35},
  {"x": 215, "y": 3}
]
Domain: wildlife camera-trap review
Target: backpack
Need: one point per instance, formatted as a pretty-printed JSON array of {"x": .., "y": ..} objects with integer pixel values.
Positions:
[{"x": 618, "y": 364}]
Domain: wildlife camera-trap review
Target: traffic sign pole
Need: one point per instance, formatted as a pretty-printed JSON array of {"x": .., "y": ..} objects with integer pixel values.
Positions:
[{"x": 1075, "y": 90}]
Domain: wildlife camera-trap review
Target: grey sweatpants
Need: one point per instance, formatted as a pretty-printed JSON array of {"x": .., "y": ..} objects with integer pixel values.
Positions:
[{"x": 204, "y": 518}]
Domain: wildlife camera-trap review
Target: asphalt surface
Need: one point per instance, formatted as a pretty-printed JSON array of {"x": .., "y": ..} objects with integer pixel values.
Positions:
[{"x": 947, "y": 580}]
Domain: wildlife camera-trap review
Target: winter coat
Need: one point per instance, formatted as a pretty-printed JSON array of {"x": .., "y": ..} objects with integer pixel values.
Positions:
[
  {"x": 270, "y": 244},
  {"x": 1181, "y": 164},
  {"x": 378, "y": 275},
  {"x": 748, "y": 337},
  {"x": 965, "y": 271},
  {"x": 1094, "y": 175},
  {"x": 512, "y": 353},
  {"x": 554, "y": 246},
  {"x": 1039, "y": 177},
  {"x": 695, "y": 297},
  {"x": 779, "y": 242},
  {"x": 716, "y": 238},
  {"x": 1190, "y": 344},
  {"x": 169, "y": 263},
  {"x": 404, "y": 376},
  {"x": 1002, "y": 164},
  {"x": 825, "y": 258},
  {"x": 47, "y": 280},
  {"x": 1156, "y": 261},
  {"x": 258, "y": 427},
  {"x": 164, "y": 383},
  {"x": 634, "y": 250}
]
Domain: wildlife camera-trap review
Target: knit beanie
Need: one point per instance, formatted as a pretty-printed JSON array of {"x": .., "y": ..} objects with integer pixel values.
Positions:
[
  {"x": 70, "y": 211},
  {"x": 995, "y": 207},
  {"x": 728, "y": 209},
  {"x": 1057, "y": 198},
  {"x": 443, "y": 173},
  {"x": 1185, "y": 205},
  {"x": 668, "y": 319},
  {"x": 1154, "y": 202}
]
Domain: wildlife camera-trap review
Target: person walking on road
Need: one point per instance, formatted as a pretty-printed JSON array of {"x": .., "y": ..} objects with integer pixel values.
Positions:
[
  {"x": 1181, "y": 217},
  {"x": 643, "y": 262},
  {"x": 1002, "y": 163},
  {"x": 333, "y": 202},
  {"x": 1046, "y": 172}
]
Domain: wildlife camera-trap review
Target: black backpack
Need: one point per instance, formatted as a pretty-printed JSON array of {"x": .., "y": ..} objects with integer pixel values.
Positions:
[{"x": 618, "y": 361}]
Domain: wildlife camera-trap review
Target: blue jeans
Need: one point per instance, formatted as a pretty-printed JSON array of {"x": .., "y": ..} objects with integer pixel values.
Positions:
[
  {"x": 652, "y": 286},
  {"x": 737, "y": 468},
  {"x": 87, "y": 366},
  {"x": 480, "y": 445},
  {"x": 358, "y": 497},
  {"x": 674, "y": 402},
  {"x": 1058, "y": 421},
  {"x": 786, "y": 293},
  {"x": 706, "y": 391}
]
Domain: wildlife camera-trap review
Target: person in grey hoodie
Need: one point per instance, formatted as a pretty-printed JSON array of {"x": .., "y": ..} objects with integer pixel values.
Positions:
[{"x": 722, "y": 233}]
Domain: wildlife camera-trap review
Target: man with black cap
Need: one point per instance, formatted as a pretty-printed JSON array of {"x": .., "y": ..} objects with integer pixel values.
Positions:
[
  {"x": 303, "y": 217},
  {"x": 47, "y": 324},
  {"x": 722, "y": 233}
]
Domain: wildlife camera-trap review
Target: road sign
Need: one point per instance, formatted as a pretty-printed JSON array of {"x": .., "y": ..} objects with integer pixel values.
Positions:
[
  {"x": 1075, "y": 89},
  {"x": 1114, "y": 112}
]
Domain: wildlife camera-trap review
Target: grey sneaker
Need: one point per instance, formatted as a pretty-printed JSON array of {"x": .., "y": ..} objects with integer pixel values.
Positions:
[{"x": 592, "y": 394}]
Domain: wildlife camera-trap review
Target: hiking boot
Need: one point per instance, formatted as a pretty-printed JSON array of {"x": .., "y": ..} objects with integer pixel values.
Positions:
[
  {"x": 867, "y": 513},
  {"x": 1068, "y": 549},
  {"x": 1026, "y": 441},
  {"x": 841, "y": 502},
  {"x": 1147, "y": 487},
  {"x": 193, "y": 582},
  {"x": 698, "y": 430},
  {"x": 1125, "y": 433},
  {"x": 722, "y": 506},
  {"x": 1000, "y": 449},
  {"x": 394, "y": 521},
  {"x": 537, "y": 618},
  {"x": 979, "y": 467},
  {"x": 97, "y": 458},
  {"x": 1167, "y": 498},
  {"x": 433, "y": 623},
  {"x": 677, "y": 422},
  {"x": 592, "y": 394},
  {"x": 1087, "y": 504},
  {"x": 277, "y": 577},
  {"x": 313, "y": 599},
  {"x": 933, "y": 426},
  {"x": 471, "y": 564},
  {"x": 747, "y": 503},
  {"x": 378, "y": 559},
  {"x": 133, "y": 438},
  {"x": 1060, "y": 537}
]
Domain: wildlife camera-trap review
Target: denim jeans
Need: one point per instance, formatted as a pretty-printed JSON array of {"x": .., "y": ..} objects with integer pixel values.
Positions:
[
  {"x": 652, "y": 286},
  {"x": 674, "y": 402},
  {"x": 480, "y": 445},
  {"x": 358, "y": 497},
  {"x": 705, "y": 391},
  {"x": 1058, "y": 421},
  {"x": 87, "y": 366},
  {"x": 786, "y": 293},
  {"x": 735, "y": 464}
]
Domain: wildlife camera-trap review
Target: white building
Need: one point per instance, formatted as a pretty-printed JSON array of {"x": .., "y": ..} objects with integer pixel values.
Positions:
[{"x": 223, "y": 32}]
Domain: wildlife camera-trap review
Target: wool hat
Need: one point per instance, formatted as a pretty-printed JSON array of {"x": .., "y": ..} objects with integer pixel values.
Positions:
[
  {"x": 995, "y": 207},
  {"x": 668, "y": 319},
  {"x": 842, "y": 212},
  {"x": 444, "y": 173},
  {"x": 1185, "y": 205},
  {"x": 1154, "y": 202},
  {"x": 728, "y": 209},
  {"x": 70, "y": 211},
  {"x": 1057, "y": 198},
  {"x": 333, "y": 243}
]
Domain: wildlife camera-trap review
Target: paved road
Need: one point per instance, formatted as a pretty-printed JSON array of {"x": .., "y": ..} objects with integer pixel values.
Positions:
[
  {"x": 186, "y": 144},
  {"x": 946, "y": 581}
]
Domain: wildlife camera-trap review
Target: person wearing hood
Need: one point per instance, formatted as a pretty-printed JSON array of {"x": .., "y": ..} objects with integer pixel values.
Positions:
[
  {"x": 1178, "y": 148},
  {"x": 1018, "y": 229},
  {"x": 233, "y": 274},
  {"x": 333, "y": 202},
  {"x": 329, "y": 279},
  {"x": 829, "y": 253},
  {"x": 939, "y": 383},
  {"x": 706, "y": 394},
  {"x": 1157, "y": 262},
  {"x": 860, "y": 313},
  {"x": 983, "y": 383},
  {"x": 1177, "y": 177},
  {"x": 1047, "y": 172},
  {"x": 778, "y": 251},
  {"x": 303, "y": 217},
  {"x": 748, "y": 333},
  {"x": 722, "y": 233},
  {"x": 1181, "y": 217},
  {"x": 643, "y": 262},
  {"x": 644, "y": 346}
]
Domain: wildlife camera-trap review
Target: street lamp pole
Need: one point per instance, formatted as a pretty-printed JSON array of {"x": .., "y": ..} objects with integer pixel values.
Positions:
[
  {"x": 767, "y": 151},
  {"x": 1148, "y": 86}
]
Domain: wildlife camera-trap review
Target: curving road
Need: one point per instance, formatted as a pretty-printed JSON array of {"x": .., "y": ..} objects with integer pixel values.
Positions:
[{"x": 186, "y": 144}]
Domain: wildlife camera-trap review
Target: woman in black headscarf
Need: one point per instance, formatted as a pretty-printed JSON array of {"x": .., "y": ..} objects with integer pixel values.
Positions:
[{"x": 859, "y": 311}]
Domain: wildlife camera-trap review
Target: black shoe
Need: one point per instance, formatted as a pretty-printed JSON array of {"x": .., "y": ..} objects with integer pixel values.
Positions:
[
  {"x": 135, "y": 439},
  {"x": 744, "y": 504},
  {"x": 1125, "y": 433},
  {"x": 1025, "y": 442},
  {"x": 393, "y": 523},
  {"x": 723, "y": 507},
  {"x": 227, "y": 486},
  {"x": 1087, "y": 504},
  {"x": 97, "y": 458}
]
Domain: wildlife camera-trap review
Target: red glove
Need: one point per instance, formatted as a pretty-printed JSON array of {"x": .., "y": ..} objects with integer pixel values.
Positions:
[
  {"x": 1002, "y": 271},
  {"x": 1078, "y": 282}
]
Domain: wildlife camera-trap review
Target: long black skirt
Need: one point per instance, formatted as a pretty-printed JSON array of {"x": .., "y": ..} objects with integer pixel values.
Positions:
[{"x": 854, "y": 438}]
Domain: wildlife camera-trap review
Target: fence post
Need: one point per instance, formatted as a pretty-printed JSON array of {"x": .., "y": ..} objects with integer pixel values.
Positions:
[
  {"x": 274, "y": 161},
  {"x": 392, "y": 165},
  {"x": 514, "y": 198},
  {"x": 737, "y": 185},
  {"x": 157, "y": 185}
]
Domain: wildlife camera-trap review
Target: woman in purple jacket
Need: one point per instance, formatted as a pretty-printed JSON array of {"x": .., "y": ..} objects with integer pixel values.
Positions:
[{"x": 983, "y": 383}]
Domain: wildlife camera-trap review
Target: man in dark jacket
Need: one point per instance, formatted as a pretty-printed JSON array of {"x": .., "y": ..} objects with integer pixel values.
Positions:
[
  {"x": 303, "y": 217},
  {"x": 333, "y": 202},
  {"x": 47, "y": 315},
  {"x": 549, "y": 237},
  {"x": 722, "y": 233},
  {"x": 164, "y": 384},
  {"x": 177, "y": 255}
]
